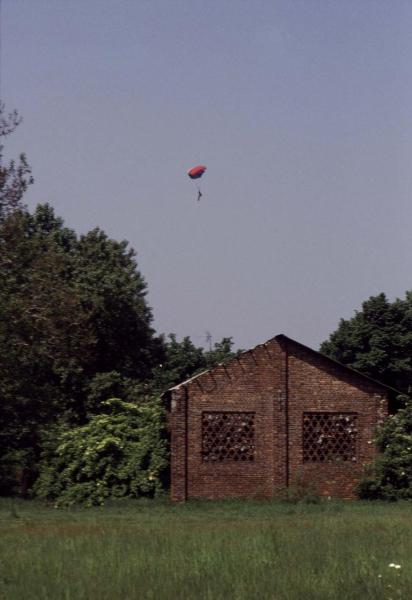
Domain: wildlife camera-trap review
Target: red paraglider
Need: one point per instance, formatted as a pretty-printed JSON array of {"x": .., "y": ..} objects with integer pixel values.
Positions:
[{"x": 196, "y": 173}]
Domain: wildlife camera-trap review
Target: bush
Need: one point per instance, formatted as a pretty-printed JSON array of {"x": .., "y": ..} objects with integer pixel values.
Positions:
[
  {"x": 17, "y": 472},
  {"x": 300, "y": 491},
  {"x": 122, "y": 453},
  {"x": 390, "y": 477}
]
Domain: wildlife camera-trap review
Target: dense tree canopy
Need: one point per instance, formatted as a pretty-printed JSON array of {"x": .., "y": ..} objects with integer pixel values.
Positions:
[
  {"x": 75, "y": 304},
  {"x": 75, "y": 329},
  {"x": 72, "y": 308},
  {"x": 377, "y": 341}
]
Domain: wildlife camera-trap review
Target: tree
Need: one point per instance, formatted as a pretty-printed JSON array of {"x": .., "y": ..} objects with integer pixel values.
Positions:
[
  {"x": 45, "y": 341},
  {"x": 377, "y": 341},
  {"x": 73, "y": 308},
  {"x": 15, "y": 177},
  {"x": 221, "y": 352},
  {"x": 114, "y": 292},
  {"x": 183, "y": 360},
  {"x": 390, "y": 477},
  {"x": 75, "y": 327}
]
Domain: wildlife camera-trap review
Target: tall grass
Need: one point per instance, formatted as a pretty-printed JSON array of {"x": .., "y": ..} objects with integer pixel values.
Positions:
[{"x": 206, "y": 550}]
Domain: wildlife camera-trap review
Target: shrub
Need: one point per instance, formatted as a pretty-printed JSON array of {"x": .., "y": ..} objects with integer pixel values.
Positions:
[
  {"x": 300, "y": 491},
  {"x": 390, "y": 477},
  {"x": 17, "y": 472},
  {"x": 121, "y": 453}
]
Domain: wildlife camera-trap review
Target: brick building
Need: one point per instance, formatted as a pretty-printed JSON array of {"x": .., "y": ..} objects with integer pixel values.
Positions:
[{"x": 281, "y": 411}]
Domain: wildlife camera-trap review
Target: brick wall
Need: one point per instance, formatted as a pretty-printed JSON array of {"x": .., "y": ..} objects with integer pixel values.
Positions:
[
  {"x": 316, "y": 385},
  {"x": 277, "y": 382}
]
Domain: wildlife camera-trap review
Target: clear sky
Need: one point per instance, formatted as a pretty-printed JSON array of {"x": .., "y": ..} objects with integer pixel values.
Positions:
[{"x": 302, "y": 112}]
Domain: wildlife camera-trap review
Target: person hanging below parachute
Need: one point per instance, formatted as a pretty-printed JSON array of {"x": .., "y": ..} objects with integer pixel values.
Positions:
[{"x": 196, "y": 173}]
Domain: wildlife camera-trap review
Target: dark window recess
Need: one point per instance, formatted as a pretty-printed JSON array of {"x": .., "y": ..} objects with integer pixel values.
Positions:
[
  {"x": 329, "y": 437},
  {"x": 228, "y": 436}
]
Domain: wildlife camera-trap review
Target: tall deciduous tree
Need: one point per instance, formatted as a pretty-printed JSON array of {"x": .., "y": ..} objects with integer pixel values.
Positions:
[
  {"x": 75, "y": 326},
  {"x": 45, "y": 339},
  {"x": 15, "y": 176},
  {"x": 377, "y": 341},
  {"x": 114, "y": 292},
  {"x": 73, "y": 308}
]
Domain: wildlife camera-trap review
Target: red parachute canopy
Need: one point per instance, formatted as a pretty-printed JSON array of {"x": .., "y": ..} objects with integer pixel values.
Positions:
[{"x": 196, "y": 172}]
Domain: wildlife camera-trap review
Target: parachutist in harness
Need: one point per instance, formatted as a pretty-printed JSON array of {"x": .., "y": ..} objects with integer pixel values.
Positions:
[{"x": 196, "y": 173}]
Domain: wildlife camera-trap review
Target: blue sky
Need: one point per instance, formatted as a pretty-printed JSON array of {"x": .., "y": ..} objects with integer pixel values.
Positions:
[{"x": 302, "y": 112}]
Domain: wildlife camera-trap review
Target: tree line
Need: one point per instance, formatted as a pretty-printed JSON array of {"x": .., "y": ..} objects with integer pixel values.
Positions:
[
  {"x": 76, "y": 333},
  {"x": 75, "y": 327}
]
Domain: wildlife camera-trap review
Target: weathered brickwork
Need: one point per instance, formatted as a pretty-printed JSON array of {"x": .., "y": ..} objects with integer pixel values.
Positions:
[{"x": 273, "y": 386}]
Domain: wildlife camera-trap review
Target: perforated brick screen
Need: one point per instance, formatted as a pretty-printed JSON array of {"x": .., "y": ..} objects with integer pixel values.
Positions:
[
  {"x": 228, "y": 436},
  {"x": 329, "y": 437}
]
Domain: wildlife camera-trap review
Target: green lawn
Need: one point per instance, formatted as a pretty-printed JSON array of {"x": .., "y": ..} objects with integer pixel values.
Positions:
[{"x": 229, "y": 550}]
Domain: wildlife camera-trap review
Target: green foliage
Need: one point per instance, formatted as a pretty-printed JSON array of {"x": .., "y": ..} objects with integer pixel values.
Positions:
[
  {"x": 114, "y": 292},
  {"x": 45, "y": 339},
  {"x": 72, "y": 309},
  {"x": 221, "y": 352},
  {"x": 75, "y": 330},
  {"x": 377, "y": 341},
  {"x": 390, "y": 477},
  {"x": 15, "y": 177},
  {"x": 183, "y": 360},
  {"x": 116, "y": 385},
  {"x": 121, "y": 453},
  {"x": 112, "y": 385},
  {"x": 17, "y": 470}
]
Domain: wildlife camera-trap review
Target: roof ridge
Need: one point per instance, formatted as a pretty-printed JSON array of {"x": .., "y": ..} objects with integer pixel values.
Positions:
[
  {"x": 336, "y": 362},
  {"x": 283, "y": 337}
]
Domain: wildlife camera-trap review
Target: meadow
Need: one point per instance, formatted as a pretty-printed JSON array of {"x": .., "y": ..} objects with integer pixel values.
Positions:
[{"x": 228, "y": 550}]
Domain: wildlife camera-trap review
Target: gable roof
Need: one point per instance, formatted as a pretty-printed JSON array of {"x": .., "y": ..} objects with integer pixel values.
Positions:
[{"x": 281, "y": 338}]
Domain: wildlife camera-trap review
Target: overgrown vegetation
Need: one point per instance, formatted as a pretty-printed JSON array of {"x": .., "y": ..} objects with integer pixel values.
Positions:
[
  {"x": 119, "y": 453},
  {"x": 390, "y": 477},
  {"x": 377, "y": 341},
  {"x": 75, "y": 330}
]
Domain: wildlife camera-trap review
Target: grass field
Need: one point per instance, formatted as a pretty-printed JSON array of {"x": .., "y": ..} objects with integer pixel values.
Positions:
[{"x": 215, "y": 550}]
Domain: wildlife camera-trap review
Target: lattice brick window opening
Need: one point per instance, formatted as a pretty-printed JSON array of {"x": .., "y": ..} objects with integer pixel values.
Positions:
[
  {"x": 329, "y": 437},
  {"x": 228, "y": 436}
]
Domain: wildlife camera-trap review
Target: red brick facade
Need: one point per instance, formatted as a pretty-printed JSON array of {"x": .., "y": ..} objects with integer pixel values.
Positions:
[{"x": 277, "y": 413}]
